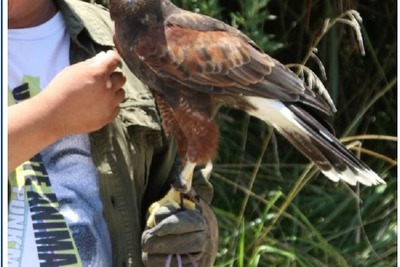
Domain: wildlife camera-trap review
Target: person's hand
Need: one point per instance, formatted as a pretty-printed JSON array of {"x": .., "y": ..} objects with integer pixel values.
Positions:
[
  {"x": 80, "y": 99},
  {"x": 181, "y": 238},
  {"x": 85, "y": 96}
]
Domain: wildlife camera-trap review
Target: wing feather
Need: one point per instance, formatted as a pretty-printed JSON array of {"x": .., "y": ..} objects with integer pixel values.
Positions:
[{"x": 209, "y": 56}]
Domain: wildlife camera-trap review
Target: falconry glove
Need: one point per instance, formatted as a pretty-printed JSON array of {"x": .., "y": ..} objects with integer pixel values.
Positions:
[{"x": 186, "y": 237}]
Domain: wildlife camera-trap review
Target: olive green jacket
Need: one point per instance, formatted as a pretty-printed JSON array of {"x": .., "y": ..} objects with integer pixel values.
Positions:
[{"x": 133, "y": 159}]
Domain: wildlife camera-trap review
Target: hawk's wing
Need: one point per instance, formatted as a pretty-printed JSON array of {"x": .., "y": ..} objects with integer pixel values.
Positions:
[
  {"x": 205, "y": 54},
  {"x": 192, "y": 60}
]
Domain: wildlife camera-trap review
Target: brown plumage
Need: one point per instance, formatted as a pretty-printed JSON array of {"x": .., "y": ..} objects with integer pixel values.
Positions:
[{"x": 191, "y": 62}]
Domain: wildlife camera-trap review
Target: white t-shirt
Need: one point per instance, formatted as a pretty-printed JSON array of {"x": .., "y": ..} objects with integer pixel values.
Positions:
[{"x": 55, "y": 207}]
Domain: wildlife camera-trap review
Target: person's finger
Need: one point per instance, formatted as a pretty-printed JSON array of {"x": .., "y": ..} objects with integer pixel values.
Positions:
[
  {"x": 115, "y": 112},
  {"x": 109, "y": 61},
  {"x": 179, "y": 223},
  {"x": 119, "y": 96},
  {"x": 117, "y": 79},
  {"x": 161, "y": 259},
  {"x": 113, "y": 61},
  {"x": 183, "y": 243}
]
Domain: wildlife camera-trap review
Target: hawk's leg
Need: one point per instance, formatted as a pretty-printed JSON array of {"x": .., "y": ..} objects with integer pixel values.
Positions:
[
  {"x": 183, "y": 183},
  {"x": 179, "y": 196}
]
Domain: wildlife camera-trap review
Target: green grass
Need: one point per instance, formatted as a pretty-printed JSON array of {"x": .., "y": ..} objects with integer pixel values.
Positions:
[{"x": 274, "y": 208}]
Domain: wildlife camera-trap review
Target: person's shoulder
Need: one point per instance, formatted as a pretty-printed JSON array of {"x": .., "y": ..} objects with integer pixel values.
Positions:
[
  {"x": 89, "y": 7},
  {"x": 93, "y": 10},
  {"x": 95, "y": 18}
]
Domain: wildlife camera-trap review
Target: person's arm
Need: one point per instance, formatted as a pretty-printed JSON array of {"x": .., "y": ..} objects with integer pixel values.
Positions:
[{"x": 80, "y": 99}]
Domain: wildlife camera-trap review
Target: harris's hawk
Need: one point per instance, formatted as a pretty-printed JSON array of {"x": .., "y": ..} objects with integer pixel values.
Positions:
[{"x": 192, "y": 62}]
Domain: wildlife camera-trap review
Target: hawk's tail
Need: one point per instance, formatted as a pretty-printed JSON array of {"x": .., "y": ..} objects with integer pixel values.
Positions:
[{"x": 312, "y": 139}]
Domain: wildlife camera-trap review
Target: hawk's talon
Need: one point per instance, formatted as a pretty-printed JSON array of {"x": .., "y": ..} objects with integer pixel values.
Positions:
[
  {"x": 189, "y": 197},
  {"x": 174, "y": 198},
  {"x": 179, "y": 186},
  {"x": 182, "y": 204},
  {"x": 179, "y": 196}
]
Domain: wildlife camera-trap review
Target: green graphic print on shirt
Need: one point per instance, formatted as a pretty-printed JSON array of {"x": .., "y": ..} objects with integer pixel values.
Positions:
[{"x": 33, "y": 202}]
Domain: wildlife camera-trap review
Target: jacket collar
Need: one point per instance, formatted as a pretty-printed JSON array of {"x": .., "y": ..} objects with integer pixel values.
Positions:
[{"x": 84, "y": 18}]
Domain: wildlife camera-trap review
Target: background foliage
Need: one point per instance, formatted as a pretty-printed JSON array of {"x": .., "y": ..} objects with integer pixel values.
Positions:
[{"x": 274, "y": 209}]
